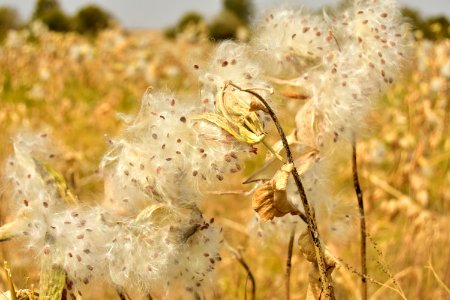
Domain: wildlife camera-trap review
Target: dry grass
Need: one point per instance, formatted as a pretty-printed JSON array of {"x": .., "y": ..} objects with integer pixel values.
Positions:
[{"x": 75, "y": 87}]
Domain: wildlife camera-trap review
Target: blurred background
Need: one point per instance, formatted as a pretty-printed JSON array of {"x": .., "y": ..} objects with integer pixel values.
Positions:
[
  {"x": 67, "y": 67},
  {"x": 65, "y": 15}
]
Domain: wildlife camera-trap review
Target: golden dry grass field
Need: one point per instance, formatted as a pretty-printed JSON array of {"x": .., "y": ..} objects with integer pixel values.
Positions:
[{"x": 74, "y": 87}]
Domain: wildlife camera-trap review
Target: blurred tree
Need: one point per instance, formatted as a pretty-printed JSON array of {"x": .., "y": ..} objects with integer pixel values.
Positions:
[
  {"x": 9, "y": 19},
  {"x": 91, "y": 19},
  {"x": 437, "y": 28},
  {"x": 56, "y": 20},
  {"x": 432, "y": 28},
  {"x": 413, "y": 17},
  {"x": 43, "y": 7},
  {"x": 236, "y": 14},
  {"x": 243, "y": 9},
  {"x": 51, "y": 14},
  {"x": 188, "y": 19},
  {"x": 224, "y": 26}
]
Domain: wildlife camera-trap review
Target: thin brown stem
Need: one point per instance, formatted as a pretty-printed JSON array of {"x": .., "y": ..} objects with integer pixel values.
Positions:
[
  {"x": 250, "y": 276},
  {"x": 289, "y": 264},
  {"x": 327, "y": 285},
  {"x": 359, "y": 196}
]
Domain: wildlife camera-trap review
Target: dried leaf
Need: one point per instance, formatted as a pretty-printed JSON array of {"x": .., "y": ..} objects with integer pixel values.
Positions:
[
  {"x": 270, "y": 200},
  {"x": 315, "y": 290}
]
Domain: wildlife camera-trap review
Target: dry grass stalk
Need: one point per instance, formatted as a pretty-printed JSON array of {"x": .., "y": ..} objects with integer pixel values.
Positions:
[
  {"x": 250, "y": 276},
  {"x": 362, "y": 215},
  {"x": 289, "y": 264},
  {"x": 439, "y": 280},
  {"x": 270, "y": 199}
]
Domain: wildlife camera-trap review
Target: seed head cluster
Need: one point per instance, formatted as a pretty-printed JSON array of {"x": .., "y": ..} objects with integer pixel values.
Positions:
[
  {"x": 340, "y": 62},
  {"x": 149, "y": 232}
]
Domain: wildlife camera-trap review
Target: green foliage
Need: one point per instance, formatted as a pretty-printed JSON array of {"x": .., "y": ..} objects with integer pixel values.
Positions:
[
  {"x": 51, "y": 14},
  {"x": 91, "y": 19},
  {"x": 43, "y": 7},
  {"x": 171, "y": 32},
  {"x": 243, "y": 9},
  {"x": 9, "y": 19},
  {"x": 224, "y": 26},
  {"x": 188, "y": 19},
  {"x": 436, "y": 28},
  {"x": 88, "y": 20},
  {"x": 57, "y": 20},
  {"x": 235, "y": 14}
]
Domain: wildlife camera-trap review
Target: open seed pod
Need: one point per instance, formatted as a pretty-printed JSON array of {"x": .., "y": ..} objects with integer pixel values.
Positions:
[
  {"x": 270, "y": 199},
  {"x": 236, "y": 114},
  {"x": 181, "y": 223}
]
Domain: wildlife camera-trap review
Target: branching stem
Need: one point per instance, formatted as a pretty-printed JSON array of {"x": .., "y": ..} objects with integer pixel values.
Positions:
[{"x": 327, "y": 285}]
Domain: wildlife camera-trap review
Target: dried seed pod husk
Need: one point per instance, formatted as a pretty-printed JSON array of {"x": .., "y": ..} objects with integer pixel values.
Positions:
[
  {"x": 270, "y": 199},
  {"x": 234, "y": 114},
  {"x": 307, "y": 249},
  {"x": 305, "y": 155},
  {"x": 256, "y": 105},
  {"x": 182, "y": 222},
  {"x": 56, "y": 182}
]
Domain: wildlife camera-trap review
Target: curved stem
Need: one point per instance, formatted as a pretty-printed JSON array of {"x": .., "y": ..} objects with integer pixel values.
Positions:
[
  {"x": 289, "y": 264},
  {"x": 359, "y": 196},
  {"x": 250, "y": 276},
  {"x": 327, "y": 285}
]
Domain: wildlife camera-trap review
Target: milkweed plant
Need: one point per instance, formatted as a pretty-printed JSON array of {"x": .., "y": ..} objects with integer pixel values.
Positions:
[{"x": 149, "y": 233}]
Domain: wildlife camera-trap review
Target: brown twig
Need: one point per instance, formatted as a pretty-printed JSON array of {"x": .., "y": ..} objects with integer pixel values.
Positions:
[
  {"x": 250, "y": 276},
  {"x": 289, "y": 264},
  {"x": 359, "y": 196},
  {"x": 327, "y": 285}
]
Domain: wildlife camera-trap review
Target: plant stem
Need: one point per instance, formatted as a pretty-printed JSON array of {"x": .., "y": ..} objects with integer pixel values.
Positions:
[
  {"x": 327, "y": 285},
  {"x": 289, "y": 264},
  {"x": 241, "y": 260},
  {"x": 359, "y": 196}
]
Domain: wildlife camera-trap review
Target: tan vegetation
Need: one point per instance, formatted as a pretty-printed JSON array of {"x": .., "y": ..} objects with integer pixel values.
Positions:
[{"x": 75, "y": 87}]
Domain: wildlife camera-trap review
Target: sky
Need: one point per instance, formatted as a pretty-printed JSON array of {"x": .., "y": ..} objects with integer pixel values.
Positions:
[{"x": 163, "y": 13}]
